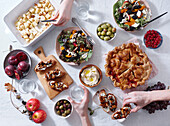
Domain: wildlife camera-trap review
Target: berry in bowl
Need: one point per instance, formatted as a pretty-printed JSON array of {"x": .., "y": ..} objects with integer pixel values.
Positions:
[
  {"x": 106, "y": 31},
  {"x": 153, "y": 39},
  {"x": 63, "y": 108}
]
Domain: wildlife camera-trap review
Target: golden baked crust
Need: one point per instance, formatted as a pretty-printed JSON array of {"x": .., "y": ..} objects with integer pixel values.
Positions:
[{"x": 127, "y": 66}]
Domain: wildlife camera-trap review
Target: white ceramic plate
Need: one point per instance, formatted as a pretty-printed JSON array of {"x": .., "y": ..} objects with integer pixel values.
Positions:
[{"x": 20, "y": 9}]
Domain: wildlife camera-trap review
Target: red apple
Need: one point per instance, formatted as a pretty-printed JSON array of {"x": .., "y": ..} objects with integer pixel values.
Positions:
[
  {"x": 9, "y": 70},
  {"x": 23, "y": 66},
  {"x": 12, "y": 60},
  {"x": 33, "y": 104},
  {"x": 39, "y": 116}
]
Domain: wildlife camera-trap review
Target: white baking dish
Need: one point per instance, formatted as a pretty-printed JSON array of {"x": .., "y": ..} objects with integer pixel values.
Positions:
[{"x": 20, "y": 9}]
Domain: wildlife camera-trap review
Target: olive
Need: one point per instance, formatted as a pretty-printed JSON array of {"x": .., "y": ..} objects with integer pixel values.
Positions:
[
  {"x": 108, "y": 25},
  {"x": 61, "y": 102},
  {"x": 108, "y": 33},
  {"x": 57, "y": 107},
  {"x": 112, "y": 35},
  {"x": 58, "y": 112},
  {"x": 65, "y": 101},
  {"x": 102, "y": 37},
  {"x": 106, "y": 38},
  {"x": 64, "y": 105},
  {"x": 68, "y": 112},
  {"x": 64, "y": 114},
  {"x": 62, "y": 111},
  {"x": 104, "y": 26},
  {"x": 61, "y": 107},
  {"x": 67, "y": 104},
  {"x": 105, "y": 30},
  {"x": 58, "y": 103},
  {"x": 103, "y": 33},
  {"x": 113, "y": 30},
  {"x": 99, "y": 29},
  {"x": 99, "y": 33},
  {"x": 65, "y": 111},
  {"x": 110, "y": 29}
]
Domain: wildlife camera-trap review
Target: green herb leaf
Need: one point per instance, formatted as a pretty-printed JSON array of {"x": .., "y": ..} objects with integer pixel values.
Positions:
[{"x": 92, "y": 112}]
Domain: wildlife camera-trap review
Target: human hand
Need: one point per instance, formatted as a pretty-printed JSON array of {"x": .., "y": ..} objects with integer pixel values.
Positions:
[
  {"x": 139, "y": 98},
  {"x": 82, "y": 107},
  {"x": 63, "y": 14}
]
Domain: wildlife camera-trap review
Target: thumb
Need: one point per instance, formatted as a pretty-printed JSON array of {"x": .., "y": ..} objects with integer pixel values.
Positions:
[
  {"x": 137, "y": 108},
  {"x": 55, "y": 16}
]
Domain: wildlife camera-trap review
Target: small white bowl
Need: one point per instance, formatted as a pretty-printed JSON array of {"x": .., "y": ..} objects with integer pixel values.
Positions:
[
  {"x": 112, "y": 27},
  {"x": 60, "y": 115}
]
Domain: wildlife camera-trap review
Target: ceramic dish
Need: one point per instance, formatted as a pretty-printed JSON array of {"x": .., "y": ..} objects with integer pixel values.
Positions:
[
  {"x": 11, "y": 18},
  {"x": 132, "y": 15},
  {"x": 99, "y": 72},
  {"x": 56, "y": 111},
  {"x": 161, "y": 41},
  {"x": 72, "y": 60},
  {"x": 28, "y": 60}
]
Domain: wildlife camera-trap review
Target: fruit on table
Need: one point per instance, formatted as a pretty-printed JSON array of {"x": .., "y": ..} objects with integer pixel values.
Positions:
[
  {"x": 63, "y": 108},
  {"x": 152, "y": 39},
  {"x": 12, "y": 60},
  {"x": 23, "y": 66},
  {"x": 39, "y": 116},
  {"x": 21, "y": 56},
  {"x": 33, "y": 104},
  {"x": 105, "y": 31},
  {"x": 9, "y": 70},
  {"x": 18, "y": 74}
]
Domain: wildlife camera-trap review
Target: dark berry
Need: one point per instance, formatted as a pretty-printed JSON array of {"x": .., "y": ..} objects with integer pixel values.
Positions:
[
  {"x": 24, "y": 103},
  {"x": 135, "y": 17}
]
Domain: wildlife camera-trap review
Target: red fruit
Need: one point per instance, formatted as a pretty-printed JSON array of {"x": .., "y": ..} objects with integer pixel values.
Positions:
[
  {"x": 18, "y": 74},
  {"x": 33, "y": 104},
  {"x": 39, "y": 116},
  {"x": 12, "y": 60},
  {"x": 21, "y": 56},
  {"x": 9, "y": 70},
  {"x": 23, "y": 66}
]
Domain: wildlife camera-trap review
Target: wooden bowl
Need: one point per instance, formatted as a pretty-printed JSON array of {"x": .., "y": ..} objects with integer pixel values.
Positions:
[
  {"x": 100, "y": 74},
  {"x": 58, "y": 45},
  {"x": 143, "y": 2}
]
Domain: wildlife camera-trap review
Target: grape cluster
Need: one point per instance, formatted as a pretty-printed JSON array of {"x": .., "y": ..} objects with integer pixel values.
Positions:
[{"x": 157, "y": 105}]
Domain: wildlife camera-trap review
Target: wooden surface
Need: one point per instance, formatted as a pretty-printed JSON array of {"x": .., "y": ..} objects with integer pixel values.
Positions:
[{"x": 65, "y": 79}]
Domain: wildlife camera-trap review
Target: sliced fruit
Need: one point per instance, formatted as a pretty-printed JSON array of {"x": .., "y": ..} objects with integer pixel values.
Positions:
[{"x": 18, "y": 74}]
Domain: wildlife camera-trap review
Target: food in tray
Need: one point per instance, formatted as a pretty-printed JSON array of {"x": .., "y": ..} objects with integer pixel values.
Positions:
[
  {"x": 107, "y": 101},
  {"x": 153, "y": 39},
  {"x": 29, "y": 24},
  {"x": 42, "y": 66},
  {"x": 90, "y": 76},
  {"x": 18, "y": 65},
  {"x": 106, "y": 31},
  {"x": 74, "y": 47},
  {"x": 63, "y": 108},
  {"x": 53, "y": 74},
  {"x": 131, "y": 14},
  {"x": 122, "y": 112},
  {"x": 127, "y": 66},
  {"x": 59, "y": 86}
]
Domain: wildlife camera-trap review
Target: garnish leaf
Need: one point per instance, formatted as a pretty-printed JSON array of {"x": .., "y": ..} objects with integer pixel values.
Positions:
[{"x": 9, "y": 87}]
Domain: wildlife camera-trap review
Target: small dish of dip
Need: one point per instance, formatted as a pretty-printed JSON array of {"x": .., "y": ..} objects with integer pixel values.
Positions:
[{"x": 90, "y": 75}]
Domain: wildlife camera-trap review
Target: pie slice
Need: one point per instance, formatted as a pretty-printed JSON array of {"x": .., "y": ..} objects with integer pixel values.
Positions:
[
  {"x": 53, "y": 74},
  {"x": 127, "y": 66},
  {"x": 59, "y": 86}
]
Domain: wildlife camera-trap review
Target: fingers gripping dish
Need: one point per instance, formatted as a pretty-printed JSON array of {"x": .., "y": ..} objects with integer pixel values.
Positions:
[{"x": 127, "y": 66}]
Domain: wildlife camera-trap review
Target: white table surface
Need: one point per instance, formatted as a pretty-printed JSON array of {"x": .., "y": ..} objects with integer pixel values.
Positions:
[{"x": 100, "y": 11}]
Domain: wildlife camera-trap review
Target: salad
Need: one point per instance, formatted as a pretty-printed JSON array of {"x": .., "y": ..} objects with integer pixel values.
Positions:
[
  {"x": 74, "y": 47},
  {"x": 131, "y": 14}
]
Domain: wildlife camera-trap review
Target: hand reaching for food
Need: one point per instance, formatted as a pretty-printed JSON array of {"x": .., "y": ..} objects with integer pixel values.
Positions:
[
  {"x": 139, "y": 98},
  {"x": 63, "y": 14},
  {"x": 82, "y": 107}
]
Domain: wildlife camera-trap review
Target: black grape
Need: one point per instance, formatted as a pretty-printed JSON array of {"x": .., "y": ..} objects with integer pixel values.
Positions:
[{"x": 157, "y": 105}]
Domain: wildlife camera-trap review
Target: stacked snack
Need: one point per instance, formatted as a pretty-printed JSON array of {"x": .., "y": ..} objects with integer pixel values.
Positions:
[{"x": 29, "y": 24}]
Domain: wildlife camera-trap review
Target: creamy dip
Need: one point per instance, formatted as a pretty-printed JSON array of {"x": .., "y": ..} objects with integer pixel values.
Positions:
[{"x": 90, "y": 76}]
